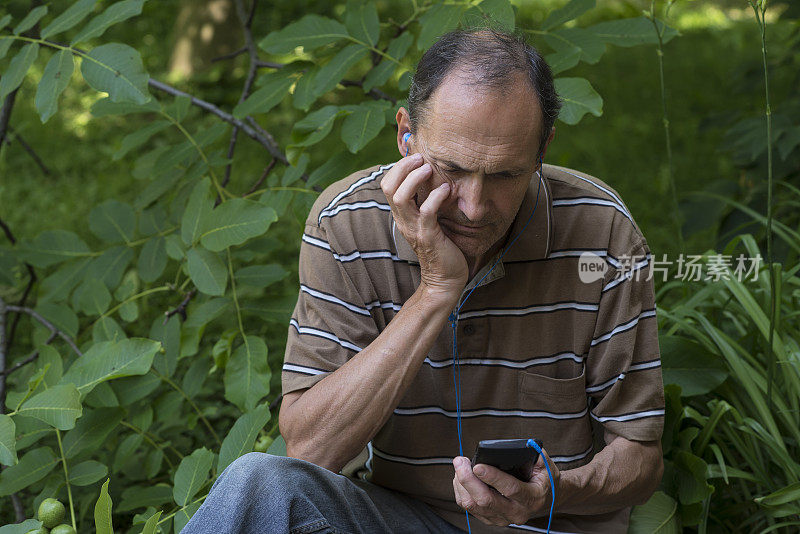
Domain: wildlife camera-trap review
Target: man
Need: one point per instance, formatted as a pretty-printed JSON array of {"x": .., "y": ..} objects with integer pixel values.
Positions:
[{"x": 456, "y": 271}]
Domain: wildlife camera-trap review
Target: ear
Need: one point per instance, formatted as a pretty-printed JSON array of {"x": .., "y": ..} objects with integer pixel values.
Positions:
[
  {"x": 403, "y": 127},
  {"x": 549, "y": 139}
]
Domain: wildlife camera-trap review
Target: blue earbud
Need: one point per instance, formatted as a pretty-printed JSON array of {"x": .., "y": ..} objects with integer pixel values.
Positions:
[{"x": 406, "y": 136}]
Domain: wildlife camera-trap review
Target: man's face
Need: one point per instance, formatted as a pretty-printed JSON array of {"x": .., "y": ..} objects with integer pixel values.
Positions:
[{"x": 484, "y": 142}]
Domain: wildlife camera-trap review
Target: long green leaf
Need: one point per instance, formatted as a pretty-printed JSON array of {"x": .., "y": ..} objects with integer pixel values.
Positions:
[
  {"x": 197, "y": 212},
  {"x": 139, "y": 137},
  {"x": 114, "y": 14},
  {"x": 631, "y": 32},
  {"x": 26, "y": 526},
  {"x": 58, "y": 406},
  {"x": 32, "y": 467},
  {"x": 151, "y": 525},
  {"x": 33, "y": 16},
  {"x": 659, "y": 515},
  {"x": 242, "y": 436},
  {"x": 234, "y": 222},
  {"x": 310, "y": 32},
  {"x": 109, "y": 360},
  {"x": 113, "y": 221},
  {"x": 117, "y": 69},
  {"x": 8, "y": 444},
  {"x": 247, "y": 374},
  {"x": 54, "y": 80},
  {"x": 191, "y": 475},
  {"x": 573, "y": 10},
  {"x": 69, "y": 18},
  {"x": 152, "y": 259},
  {"x": 267, "y": 97},
  {"x": 18, "y": 68},
  {"x": 207, "y": 271},
  {"x": 397, "y": 49},
  {"x": 363, "y": 125},
  {"x": 86, "y": 473},
  {"x": 579, "y": 98},
  {"x": 102, "y": 512},
  {"x": 334, "y": 70},
  {"x": 361, "y": 21}
]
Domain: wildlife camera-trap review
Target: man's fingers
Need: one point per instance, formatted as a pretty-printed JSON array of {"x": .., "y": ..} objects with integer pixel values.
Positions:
[
  {"x": 430, "y": 208},
  {"x": 508, "y": 486},
  {"x": 395, "y": 176},
  {"x": 478, "y": 491},
  {"x": 408, "y": 188}
]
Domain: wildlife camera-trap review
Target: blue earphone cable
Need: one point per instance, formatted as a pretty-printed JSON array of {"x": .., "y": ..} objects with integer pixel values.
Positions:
[{"x": 457, "y": 365}]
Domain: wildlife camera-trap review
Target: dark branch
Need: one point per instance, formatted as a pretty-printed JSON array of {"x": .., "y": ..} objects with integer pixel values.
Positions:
[
  {"x": 181, "y": 308},
  {"x": 265, "y": 140},
  {"x": 31, "y": 280},
  {"x": 246, "y": 19},
  {"x": 268, "y": 65},
  {"x": 232, "y": 55},
  {"x": 31, "y": 358},
  {"x": 47, "y": 324},
  {"x": 5, "y": 114},
  {"x": 263, "y": 177},
  {"x": 374, "y": 93},
  {"x": 29, "y": 150}
]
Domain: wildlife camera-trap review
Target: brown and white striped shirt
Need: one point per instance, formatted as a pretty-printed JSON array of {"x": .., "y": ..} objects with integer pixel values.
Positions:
[{"x": 542, "y": 354}]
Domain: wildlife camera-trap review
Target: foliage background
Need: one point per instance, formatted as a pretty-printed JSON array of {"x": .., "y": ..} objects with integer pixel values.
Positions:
[{"x": 713, "y": 334}]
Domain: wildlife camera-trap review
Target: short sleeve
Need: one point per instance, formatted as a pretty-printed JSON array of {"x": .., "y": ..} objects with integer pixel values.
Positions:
[
  {"x": 623, "y": 366},
  {"x": 330, "y": 322}
]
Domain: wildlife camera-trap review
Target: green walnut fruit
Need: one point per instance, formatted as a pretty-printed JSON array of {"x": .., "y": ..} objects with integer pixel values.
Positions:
[
  {"x": 263, "y": 444},
  {"x": 51, "y": 512},
  {"x": 62, "y": 529}
]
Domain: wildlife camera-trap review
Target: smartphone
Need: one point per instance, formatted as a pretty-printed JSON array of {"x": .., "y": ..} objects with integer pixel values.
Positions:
[{"x": 512, "y": 456}]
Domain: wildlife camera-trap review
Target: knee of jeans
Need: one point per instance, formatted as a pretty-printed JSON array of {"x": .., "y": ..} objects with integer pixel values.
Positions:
[{"x": 258, "y": 468}]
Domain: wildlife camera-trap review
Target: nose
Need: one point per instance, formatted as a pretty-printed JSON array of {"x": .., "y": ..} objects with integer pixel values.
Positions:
[{"x": 472, "y": 199}]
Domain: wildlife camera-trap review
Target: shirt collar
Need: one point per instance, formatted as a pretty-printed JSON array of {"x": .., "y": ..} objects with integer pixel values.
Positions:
[{"x": 535, "y": 241}]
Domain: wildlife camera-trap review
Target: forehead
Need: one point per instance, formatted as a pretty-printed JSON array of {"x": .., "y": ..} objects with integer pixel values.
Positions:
[{"x": 477, "y": 125}]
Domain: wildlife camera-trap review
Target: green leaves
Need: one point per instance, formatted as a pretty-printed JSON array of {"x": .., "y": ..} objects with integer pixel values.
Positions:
[
  {"x": 207, "y": 271},
  {"x": 107, "y": 360},
  {"x": 112, "y": 15},
  {"x": 334, "y": 70},
  {"x": 275, "y": 88},
  {"x": 33, "y": 16},
  {"x": 32, "y": 467},
  {"x": 191, "y": 475},
  {"x": 69, "y": 18},
  {"x": 242, "y": 436},
  {"x": 234, "y": 222},
  {"x": 197, "y": 211},
  {"x": 247, "y": 374},
  {"x": 58, "y": 406},
  {"x": 86, "y": 473},
  {"x": 152, "y": 259},
  {"x": 113, "y": 221},
  {"x": 439, "y": 19},
  {"x": 54, "y": 80},
  {"x": 631, "y": 32},
  {"x": 361, "y": 21},
  {"x": 579, "y": 98},
  {"x": 657, "y": 516},
  {"x": 572, "y": 10},
  {"x": 117, "y": 69},
  {"x": 18, "y": 68},
  {"x": 102, "y": 512},
  {"x": 310, "y": 32},
  {"x": 51, "y": 247},
  {"x": 364, "y": 123},
  {"x": 8, "y": 445},
  {"x": 687, "y": 364}
]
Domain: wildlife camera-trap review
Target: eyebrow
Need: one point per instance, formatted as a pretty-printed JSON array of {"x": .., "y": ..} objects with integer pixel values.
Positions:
[{"x": 457, "y": 167}]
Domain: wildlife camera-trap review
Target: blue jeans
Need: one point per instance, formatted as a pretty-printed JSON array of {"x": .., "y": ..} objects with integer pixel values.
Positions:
[{"x": 260, "y": 493}]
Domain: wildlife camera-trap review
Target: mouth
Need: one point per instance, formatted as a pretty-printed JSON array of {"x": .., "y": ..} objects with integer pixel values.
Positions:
[{"x": 460, "y": 228}]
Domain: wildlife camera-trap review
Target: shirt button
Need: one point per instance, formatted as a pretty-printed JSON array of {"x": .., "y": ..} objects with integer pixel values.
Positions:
[{"x": 469, "y": 329}]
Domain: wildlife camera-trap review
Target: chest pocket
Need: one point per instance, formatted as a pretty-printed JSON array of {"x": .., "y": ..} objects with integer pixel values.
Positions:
[{"x": 556, "y": 395}]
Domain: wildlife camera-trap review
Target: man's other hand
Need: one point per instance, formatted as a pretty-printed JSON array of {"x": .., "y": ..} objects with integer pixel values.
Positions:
[
  {"x": 497, "y": 498},
  {"x": 443, "y": 267}
]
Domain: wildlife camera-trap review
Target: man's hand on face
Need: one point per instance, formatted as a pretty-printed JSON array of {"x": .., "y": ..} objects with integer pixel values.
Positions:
[
  {"x": 443, "y": 266},
  {"x": 497, "y": 498}
]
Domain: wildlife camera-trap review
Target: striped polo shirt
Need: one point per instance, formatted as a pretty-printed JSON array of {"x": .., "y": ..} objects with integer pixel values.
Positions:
[{"x": 543, "y": 351}]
